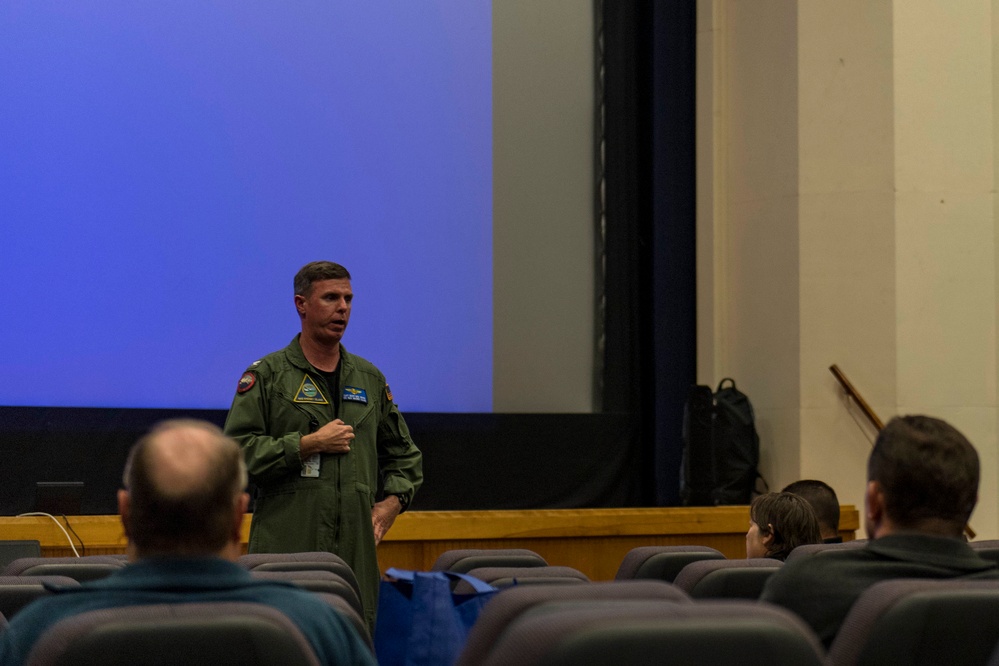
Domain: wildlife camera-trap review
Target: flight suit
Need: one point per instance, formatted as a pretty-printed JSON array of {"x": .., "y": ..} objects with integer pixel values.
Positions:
[{"x": 280, "y": 398}]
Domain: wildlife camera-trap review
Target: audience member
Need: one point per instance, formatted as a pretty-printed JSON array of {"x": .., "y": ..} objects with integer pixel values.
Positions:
[
  {"x": 182, "y": 507},
  {"x": 778, "y": 523},
  {"x": 922, "y": 487},
  {"x": 825, "y": 503}
]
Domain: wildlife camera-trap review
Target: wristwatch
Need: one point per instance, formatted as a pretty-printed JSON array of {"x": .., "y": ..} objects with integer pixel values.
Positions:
[{"x": 402, "y": 500}]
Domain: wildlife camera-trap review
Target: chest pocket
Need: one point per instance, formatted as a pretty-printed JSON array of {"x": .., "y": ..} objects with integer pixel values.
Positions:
[
  {"x": 356, "y": 413},
  {"x": 304, "y": 416}
]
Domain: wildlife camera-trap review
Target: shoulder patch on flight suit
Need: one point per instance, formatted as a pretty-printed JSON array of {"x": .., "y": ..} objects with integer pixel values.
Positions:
[
  {"x": 354, "y": 394},
  {"x": 388, "y": 393},
  {"x": 309, "y": 392},
  {"x": 246, "y": 382}
]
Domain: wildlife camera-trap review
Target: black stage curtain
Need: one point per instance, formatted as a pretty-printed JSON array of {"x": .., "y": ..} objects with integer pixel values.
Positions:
[{"x": 650, "y": 290}]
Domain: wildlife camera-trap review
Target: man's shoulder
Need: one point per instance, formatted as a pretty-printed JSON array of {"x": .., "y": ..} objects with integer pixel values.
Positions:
[
  {"x": 280, "y": 360},
  {"x": 818, "y": 569},
  {"x": 360, "y": 364}
]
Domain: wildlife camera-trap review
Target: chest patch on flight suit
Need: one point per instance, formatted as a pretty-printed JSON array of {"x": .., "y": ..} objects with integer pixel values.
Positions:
[
  {"x": 355, "y": 394},
  {"x": 309, "y": 393}
]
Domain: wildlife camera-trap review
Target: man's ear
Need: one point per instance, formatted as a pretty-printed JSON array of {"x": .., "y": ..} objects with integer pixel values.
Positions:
[
  {"x": 123, "y": 510},
  {"x": 768, "y": 538},
  {"x": 300, "y": 304},
  {"x": 874, "y": 506}
]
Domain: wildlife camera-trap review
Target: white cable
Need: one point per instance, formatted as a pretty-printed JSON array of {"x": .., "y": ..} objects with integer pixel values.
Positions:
[{"x": 39, "y": 513}]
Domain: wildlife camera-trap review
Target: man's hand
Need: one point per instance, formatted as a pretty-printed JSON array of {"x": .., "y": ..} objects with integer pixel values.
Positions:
[
  {"x": 334, "y": 437},
  {"x": 383, "y": 515}
]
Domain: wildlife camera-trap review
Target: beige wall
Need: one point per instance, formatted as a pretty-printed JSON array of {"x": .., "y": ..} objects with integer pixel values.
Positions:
[
  {"x": 845, "y": 215},
  {"x": 543, "y": 206}
]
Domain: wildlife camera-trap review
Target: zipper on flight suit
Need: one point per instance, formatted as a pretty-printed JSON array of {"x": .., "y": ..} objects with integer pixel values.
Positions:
[{"x": 314, "y": 426}]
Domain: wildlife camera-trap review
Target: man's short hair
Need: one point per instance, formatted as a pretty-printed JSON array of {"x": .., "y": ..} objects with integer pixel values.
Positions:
[
  {"x": 198, "y": 521},
  {"x": 928, "y": 472},
  {"x": 789, "y": 518},
  {"x": 822, "y": 498},
  {"x": 318, "y": 271}
]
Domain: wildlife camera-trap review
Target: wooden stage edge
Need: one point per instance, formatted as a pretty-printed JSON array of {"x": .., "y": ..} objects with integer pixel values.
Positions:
[{"x": 591, "y": 540}]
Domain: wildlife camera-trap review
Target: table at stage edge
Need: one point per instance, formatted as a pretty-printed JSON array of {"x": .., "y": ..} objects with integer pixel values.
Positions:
[{"x": 591, "y": 540}]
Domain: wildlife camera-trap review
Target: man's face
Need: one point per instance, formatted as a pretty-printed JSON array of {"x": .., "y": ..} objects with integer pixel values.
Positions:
[{"x": 326, "y": 310}]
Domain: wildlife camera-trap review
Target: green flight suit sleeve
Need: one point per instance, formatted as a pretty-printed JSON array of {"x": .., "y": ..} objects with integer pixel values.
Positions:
[
  {"x": 272, "y": 452},
  {"x": 399, "y": 461}
]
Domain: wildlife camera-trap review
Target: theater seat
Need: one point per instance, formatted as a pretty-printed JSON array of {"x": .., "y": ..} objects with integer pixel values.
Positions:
[
  {"x": 653, "y": 632},
  {"x": 820, "y": 548},
  {"x": 352, "y": 615},
  {"x": 726, "y": 579},
  {"x": 919, "y": 622},
  {"x": 506, "y": 576},
  {"x": 89, "y": 567},
  {"x": 316, "y": 581},
  {"x": 16, "y": 592},
  {"x": 464, "y": 560},
  {"x": 220, "y": 634},
  {"x": 662, "y": 562},
  {"x": 307, "y": 561},
  {"x": 509, "y": 604}
]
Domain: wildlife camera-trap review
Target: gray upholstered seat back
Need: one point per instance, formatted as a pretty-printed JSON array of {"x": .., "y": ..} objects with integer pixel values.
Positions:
[
  {"x": 662, "y": 562},
  {"x": 510, "y": 603},
  {"x": 920, "y": 621},
  {"x": 655, "y": 632},
  {"x": 220, "y": 634},
  {"x": 464, "y": 560},
  {"x": 726, "y": 579}
]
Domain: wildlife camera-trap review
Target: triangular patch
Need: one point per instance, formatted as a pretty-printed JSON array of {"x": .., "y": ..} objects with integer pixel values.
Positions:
[{"x": 309, "y": 392}]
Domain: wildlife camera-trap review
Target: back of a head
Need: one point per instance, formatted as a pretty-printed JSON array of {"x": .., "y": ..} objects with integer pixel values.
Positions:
[
  {"x": 184, "y": 480},
  {"x": 823, "y": 500},
  {"x": 789, "y": 518},
  {"x": 928, "y": 472}
]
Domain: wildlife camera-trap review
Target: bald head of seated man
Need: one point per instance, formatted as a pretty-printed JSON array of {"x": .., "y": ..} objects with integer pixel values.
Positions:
[{"x": 182, "y": 508}]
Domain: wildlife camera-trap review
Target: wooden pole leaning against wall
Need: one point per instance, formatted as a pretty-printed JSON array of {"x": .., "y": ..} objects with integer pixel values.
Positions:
[{"x": 871, "y": 416}]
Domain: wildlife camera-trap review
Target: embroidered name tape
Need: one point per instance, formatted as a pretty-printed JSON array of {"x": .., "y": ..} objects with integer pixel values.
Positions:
[{"x": 355, "y": 394}]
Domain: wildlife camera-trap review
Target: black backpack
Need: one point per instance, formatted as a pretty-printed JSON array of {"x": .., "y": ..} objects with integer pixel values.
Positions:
[{"x": 721, "y": 449}]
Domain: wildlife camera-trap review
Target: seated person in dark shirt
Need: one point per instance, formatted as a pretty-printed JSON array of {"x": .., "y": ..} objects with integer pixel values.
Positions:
[
  {"x": 779, "y": 523},
  {"x": 823, "y": 499},
  {"x": 922, "y": 486},
  {"x": 182, "y": 509}
]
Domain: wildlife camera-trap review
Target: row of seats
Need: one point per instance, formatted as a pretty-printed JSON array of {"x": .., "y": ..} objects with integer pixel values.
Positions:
[
  {"x": 641, "y": 616},
  {"x": 24, "y": 579},
  {"x": 652, "y": 622},
  {"x": 632, "y": 622},
  {"x": 700, "y": 571}
]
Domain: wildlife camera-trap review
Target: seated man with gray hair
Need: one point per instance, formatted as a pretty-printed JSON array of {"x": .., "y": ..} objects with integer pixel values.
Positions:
[{"x": 182, "y": 509}]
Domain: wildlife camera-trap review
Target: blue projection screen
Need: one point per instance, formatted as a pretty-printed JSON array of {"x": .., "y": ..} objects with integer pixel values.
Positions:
[{"x": 166, "y": 168}]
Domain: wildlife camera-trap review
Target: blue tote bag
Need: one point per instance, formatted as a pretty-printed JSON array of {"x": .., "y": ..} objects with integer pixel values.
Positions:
[{"x": 421, "y": 622}]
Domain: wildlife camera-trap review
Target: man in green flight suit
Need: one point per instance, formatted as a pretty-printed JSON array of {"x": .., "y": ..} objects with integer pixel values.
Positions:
[{"x": 320, "y": 432}]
